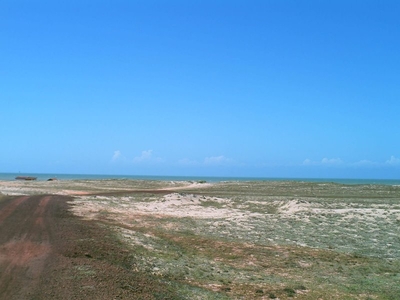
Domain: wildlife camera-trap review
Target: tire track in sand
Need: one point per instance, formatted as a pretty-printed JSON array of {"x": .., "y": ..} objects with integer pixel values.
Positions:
[
  {"x": 10, "y": 207},
  {"x": 24, "y": 244}
]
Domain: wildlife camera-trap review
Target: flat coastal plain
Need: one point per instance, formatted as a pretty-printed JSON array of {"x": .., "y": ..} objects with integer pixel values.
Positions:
[{"x": 143, "y": 239}]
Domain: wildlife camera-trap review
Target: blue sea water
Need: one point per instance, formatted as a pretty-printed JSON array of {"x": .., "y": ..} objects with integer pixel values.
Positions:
[{"x": 41, "y": 176}]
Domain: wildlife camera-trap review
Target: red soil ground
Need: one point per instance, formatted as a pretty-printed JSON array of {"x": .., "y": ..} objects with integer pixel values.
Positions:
[{"x": 47, "y": 253}]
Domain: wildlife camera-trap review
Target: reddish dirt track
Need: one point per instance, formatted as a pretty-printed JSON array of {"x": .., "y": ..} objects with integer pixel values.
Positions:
[
  {"x": 47, "y": 253},
  {"x": 25, "y": 243}
]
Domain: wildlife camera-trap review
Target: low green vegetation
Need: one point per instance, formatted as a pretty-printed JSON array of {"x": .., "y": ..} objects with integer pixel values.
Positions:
[{"x": 263, "y": 240}]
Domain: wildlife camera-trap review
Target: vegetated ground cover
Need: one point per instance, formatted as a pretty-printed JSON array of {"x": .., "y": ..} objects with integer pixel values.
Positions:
[
  {"x": 251, "y": 240},
  {"x": 262, "y": 239},
  {"x": 46, "y": 252},
  {"x": 81, "y": 187}
]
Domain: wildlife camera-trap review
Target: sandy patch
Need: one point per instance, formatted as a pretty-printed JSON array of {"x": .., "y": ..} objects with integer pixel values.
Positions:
[
  {"x": 72, "y": 193},
  {"x": 186, "y": 205},
  {"x": 293, "y": 206},
  {"x": 176, "y": 205},
  {"x": 85, "y": 187},
  {"x": 187, "y": 185}
]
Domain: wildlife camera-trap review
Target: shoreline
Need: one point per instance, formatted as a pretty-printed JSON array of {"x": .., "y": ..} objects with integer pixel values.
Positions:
[{"x": 211, "y": 179}]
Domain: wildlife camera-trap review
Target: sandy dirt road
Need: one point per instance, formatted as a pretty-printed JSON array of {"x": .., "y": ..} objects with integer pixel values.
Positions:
[
  {"x": 48, "y": 253},
  {"x": 25, "y": 239}
]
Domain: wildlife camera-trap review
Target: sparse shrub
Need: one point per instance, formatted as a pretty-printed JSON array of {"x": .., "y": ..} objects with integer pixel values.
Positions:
[
  {"x": 300, "y": 287},
  {"x": 289, "y": 292},
  {"x": 272, "y": 296}
]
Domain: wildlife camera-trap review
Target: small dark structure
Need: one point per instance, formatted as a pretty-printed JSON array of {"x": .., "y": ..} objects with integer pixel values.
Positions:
[
  {"x": 52, "y": 179},
  {"x": 25, "y": 178}
]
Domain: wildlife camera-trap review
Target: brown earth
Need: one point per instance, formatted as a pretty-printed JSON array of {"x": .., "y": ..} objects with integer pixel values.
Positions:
[{"x": 48, "y": 253}]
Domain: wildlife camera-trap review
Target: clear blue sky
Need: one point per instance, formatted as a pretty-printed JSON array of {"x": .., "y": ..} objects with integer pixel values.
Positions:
[{"x": 269, "y": 88}]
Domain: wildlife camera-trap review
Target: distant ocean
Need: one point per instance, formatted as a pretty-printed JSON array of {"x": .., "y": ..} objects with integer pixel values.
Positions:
[{"x": 42, "y": 177}]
